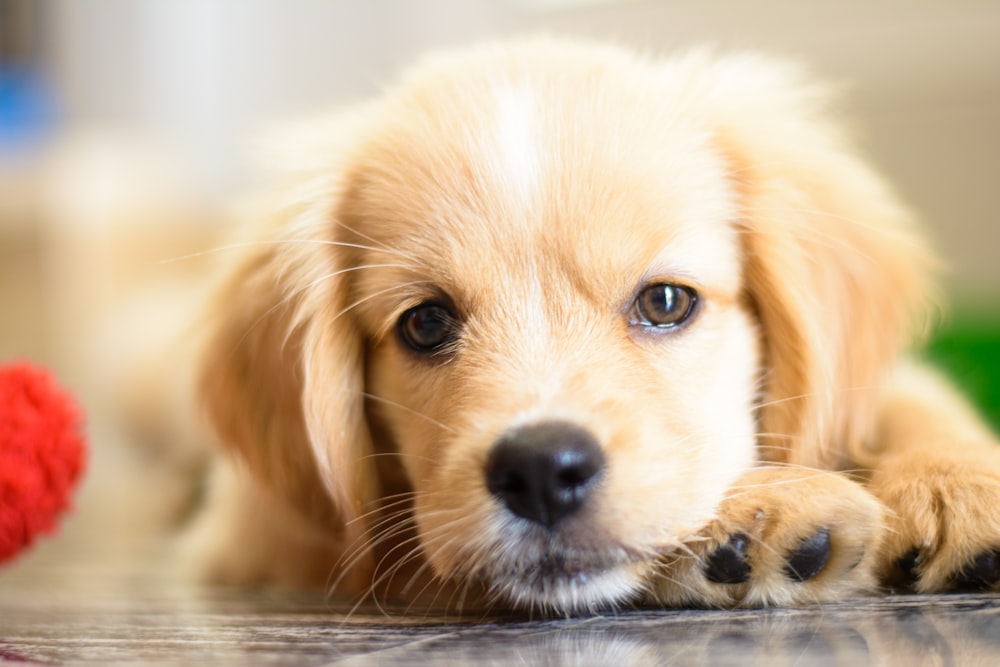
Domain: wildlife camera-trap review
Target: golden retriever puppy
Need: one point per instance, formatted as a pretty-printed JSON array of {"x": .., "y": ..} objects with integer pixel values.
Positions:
[{"x": 553, "y": 326}]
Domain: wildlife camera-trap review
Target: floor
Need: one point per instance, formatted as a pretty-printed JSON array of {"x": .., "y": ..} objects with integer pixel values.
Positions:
[{"x": 61, "y": 617}]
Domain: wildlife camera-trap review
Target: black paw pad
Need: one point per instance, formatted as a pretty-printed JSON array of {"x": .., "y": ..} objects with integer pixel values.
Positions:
[
  {"x": 982, "y": 574},
  {"x": 903, "y": 575},
  {"x": 729, "y": 564},
  {"x": 810, "y": 557}
]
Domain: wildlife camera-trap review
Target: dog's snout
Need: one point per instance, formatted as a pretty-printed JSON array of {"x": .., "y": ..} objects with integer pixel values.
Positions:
[{"x": 544, "y": 472}]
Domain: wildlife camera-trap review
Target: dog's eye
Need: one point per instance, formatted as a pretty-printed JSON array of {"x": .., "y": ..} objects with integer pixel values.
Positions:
[
  {"x": 664, "y": 306},
  {"x": 428, "y": 328}
]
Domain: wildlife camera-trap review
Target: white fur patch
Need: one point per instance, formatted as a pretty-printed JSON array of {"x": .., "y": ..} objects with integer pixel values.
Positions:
[{"x": 517, "y": 165}]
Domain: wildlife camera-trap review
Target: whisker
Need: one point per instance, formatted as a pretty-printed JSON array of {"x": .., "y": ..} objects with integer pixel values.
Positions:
[
  {"x": 362, "y": 546},
  {"x": 662, "y": 570},
  {"x": 376, "y": 245},
  {"x": 409, "y": 410},
  {"x": 390, "y": 518},
  {"x": 417, "y": 542},
  {"x": 436, "y": 542},
  {"x": 413, "y": 551},
  {"x": 379, "y": 579},
  {"x": 377, "y": 294},
  {"x": 292, "y": 295},
  {"x": 424, "y": 567}
]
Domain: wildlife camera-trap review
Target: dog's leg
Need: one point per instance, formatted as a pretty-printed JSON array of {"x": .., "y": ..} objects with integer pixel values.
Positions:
[
  {"x": 783, "y": 536},
  {"x": 937, "y": 468}
]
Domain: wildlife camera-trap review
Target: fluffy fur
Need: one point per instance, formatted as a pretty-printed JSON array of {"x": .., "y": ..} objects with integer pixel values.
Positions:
[{"x": 536, "y": 189}]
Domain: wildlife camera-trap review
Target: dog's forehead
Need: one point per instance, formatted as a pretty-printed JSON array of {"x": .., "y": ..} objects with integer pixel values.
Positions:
[{"x": 592, "y": 175}]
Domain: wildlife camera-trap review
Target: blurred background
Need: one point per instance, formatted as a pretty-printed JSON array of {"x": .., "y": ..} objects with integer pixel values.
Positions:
[{"x": 124, "y": 130}]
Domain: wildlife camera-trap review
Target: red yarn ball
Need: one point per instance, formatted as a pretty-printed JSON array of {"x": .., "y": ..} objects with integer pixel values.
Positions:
[{"x": 42, "y": 455}]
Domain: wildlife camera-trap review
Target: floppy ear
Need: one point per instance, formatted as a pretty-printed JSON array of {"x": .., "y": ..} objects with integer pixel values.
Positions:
[
  {"x": 834, "y": 267},
  {"x": 282, "y": 376}
]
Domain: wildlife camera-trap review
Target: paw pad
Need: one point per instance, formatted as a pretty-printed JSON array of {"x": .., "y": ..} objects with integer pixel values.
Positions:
[
  {"x": 982, "y": 574},
  {"x": 809, "y": 559},
  {"x": 729, "y": 564},
  {"x": 903, "y": 575}
]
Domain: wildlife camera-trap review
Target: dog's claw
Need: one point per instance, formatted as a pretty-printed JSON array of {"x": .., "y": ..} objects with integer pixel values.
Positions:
[
  {"x": 729, "y": 563},
  {"x": 810, "y": 557},
  {"x": 982, "y": 574}
]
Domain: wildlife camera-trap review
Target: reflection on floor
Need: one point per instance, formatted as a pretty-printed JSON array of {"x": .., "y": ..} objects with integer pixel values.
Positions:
[{"x": 75, "y": 618}]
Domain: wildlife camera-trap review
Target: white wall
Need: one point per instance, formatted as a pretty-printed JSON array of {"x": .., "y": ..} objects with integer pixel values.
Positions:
[{"x": 924, "y": 76}]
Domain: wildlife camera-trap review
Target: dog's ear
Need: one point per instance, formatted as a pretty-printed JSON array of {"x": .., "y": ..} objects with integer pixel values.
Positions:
[
  {"x": 283, "y": 371},
  {"x": 834, "y": 268}
]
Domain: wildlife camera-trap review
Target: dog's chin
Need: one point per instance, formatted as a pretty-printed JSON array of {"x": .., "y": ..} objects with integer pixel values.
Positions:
[
  {"x": 564, "y": 585},
  {"x": 575, "y": 570}
]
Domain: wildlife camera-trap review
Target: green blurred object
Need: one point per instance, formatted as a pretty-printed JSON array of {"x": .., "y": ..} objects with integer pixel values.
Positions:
[{"x": 967, "y": 348}]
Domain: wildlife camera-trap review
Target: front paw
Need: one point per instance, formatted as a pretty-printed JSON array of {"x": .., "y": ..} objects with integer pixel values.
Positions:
[
  {"x": 944, "y": 521},
  {"x": 782, "y": 537}
]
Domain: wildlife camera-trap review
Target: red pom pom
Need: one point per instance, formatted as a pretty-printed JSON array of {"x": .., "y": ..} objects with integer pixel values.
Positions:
[{"x": 42, "y": 455}]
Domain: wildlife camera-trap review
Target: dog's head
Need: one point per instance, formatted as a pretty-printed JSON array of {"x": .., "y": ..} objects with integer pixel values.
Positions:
[{"x": 560, "y": 298}]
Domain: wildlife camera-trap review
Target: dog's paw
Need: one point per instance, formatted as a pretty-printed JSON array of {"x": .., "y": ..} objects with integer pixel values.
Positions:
[
  {"x": 943, "y": 522},
  {"x": 781, "y": 537}
]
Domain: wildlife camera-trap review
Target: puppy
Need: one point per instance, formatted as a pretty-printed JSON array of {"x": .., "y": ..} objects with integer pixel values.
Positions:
[{"x": 553, "y": 326}]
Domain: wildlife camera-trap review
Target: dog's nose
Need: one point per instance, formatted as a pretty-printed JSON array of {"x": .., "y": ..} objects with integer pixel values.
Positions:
[{"x": 544, "y": 472}]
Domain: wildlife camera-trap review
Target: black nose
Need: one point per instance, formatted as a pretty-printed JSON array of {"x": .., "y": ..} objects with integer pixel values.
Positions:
[{"x": 544, "y": 472}]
